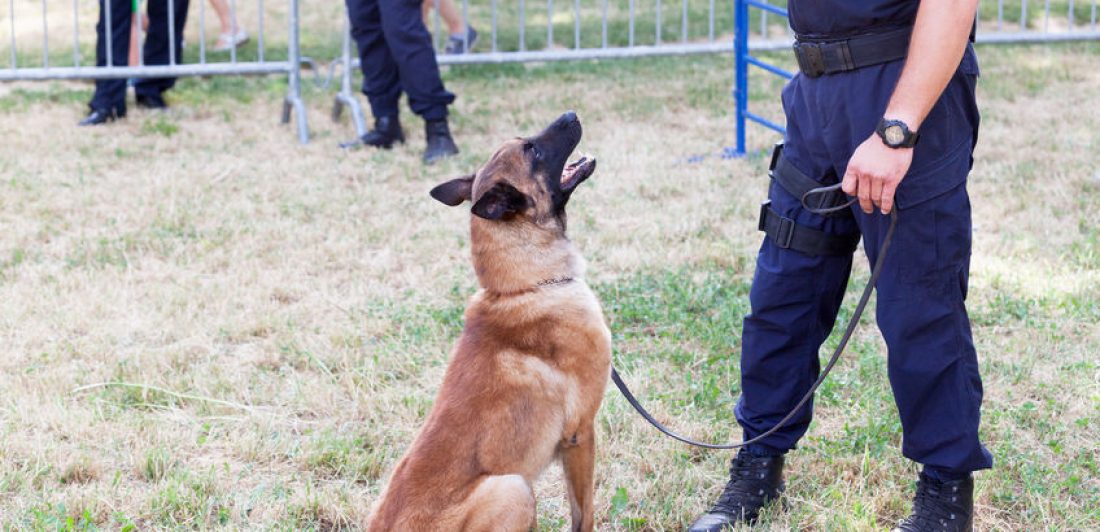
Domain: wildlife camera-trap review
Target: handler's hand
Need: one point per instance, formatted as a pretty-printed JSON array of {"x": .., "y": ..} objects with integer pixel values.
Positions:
[{"x": 874, "y": 173}]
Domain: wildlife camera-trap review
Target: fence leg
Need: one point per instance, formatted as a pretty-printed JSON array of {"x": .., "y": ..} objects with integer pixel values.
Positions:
[
  {"x": 346, "y": 96},
  {"x": 740, "y": 73},
  {"x": 294, "y": 79}
]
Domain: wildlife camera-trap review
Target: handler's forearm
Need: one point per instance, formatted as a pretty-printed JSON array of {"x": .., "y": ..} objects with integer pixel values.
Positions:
[{"x": 939, "y": 39}]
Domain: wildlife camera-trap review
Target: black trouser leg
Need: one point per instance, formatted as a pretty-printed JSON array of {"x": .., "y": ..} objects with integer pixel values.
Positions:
[
  {"x": 411, "y": 46},
  {"x": 381, "y": 84},
  {"x": 110, "y": 94},
  {"x": 156, "y": 51}
]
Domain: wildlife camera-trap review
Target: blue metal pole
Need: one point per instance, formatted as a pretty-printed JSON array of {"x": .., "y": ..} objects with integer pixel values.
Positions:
[{"x": 741, "y": 71}]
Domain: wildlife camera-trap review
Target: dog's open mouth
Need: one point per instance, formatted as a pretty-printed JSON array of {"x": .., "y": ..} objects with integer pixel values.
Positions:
[{"x": 577, "y": 171}]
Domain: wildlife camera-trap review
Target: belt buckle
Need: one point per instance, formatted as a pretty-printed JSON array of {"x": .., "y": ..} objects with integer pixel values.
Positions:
[
  {"x": 810, "y": 59},
  {"x": 784, "y": 233}
]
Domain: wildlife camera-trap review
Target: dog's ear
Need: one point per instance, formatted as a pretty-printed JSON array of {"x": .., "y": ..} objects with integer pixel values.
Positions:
[
  {"x": 455, "y": 191},
  {"x": 500, "y": 202}
]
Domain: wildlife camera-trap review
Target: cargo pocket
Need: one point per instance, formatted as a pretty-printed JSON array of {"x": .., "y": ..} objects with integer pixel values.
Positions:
[{"x": 934, "y": 239}]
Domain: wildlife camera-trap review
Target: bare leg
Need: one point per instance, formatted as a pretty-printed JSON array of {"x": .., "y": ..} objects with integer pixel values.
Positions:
[
  {"x": 135, "y": 39},
  {"x": 232, "y": 35},
  {"x": 452, "y": 17},
  {"x": 225, "y": 18},
  {"x": 578, "y": 457},
  {"x": 426, "y": 11}
]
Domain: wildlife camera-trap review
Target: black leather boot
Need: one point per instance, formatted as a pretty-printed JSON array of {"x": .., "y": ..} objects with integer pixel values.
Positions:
[
  {"x": 387, "y": 132},
  {"x": 439, "y": 141},
  {"x": 100, "y": 116},
  {"x": 151, "y": 101},
  {"x": 941, "y": 506},
  {"x": 754, "y": 482}
]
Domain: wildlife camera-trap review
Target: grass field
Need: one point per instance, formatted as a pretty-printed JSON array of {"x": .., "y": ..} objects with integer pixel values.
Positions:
[{"x": 205, "y": 325}]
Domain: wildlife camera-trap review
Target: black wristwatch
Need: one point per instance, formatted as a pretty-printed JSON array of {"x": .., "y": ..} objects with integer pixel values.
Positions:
[{"x": 896, "y": 134}]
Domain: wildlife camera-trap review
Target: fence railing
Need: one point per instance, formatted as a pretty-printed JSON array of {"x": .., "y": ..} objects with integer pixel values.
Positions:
[
  {"x": 511, "y": 31},
  {"x": 27, "y": 66},
  {"x": 997, "y": 21}
]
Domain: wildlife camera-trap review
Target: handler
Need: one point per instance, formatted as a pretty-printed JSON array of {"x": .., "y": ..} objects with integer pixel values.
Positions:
[
  {"x": 395, "y": 54},
  {"x": 885, "y": 99}
]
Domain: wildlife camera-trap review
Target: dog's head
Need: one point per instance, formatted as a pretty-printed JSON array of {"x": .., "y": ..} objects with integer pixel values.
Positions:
[{"x": 526, "y": 179}]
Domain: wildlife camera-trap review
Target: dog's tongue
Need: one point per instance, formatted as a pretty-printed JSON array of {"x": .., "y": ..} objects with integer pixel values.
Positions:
[{"x": 570, "y": 171}]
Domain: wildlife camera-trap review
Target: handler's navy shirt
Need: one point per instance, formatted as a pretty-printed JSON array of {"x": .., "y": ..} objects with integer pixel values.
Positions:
[{"x": 840, "y": 18}]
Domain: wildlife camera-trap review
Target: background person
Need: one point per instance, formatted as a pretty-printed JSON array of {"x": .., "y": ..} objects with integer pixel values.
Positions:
[
  {"x": 461, "y": 36},
  {"x": 395, "y": 54},
  {"x": 232, "y": 35},
  {"x": 109, "y": 100},
  {"x": 870, "y": 71}
]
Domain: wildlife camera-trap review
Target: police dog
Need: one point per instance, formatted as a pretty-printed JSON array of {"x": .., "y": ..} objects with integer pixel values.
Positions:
[{"x": 529, "y": 371}]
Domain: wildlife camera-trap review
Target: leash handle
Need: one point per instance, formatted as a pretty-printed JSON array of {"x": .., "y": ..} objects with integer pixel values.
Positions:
[
  {"x": 875, "y": 273},
  {"x": 825, "y": 210}
]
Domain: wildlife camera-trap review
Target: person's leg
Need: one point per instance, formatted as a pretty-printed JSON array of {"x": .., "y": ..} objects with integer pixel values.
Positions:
[
  {"x": 795, "y": 297},
  {"x": 426, "y": 11},
  {"x": 410, "y": 44},
  {"x": 381, "y": 82},
  {"x": 110, "y": 94},
  {"x": 932, "y": 364},
  {"x": 461, "y": 35},
  {"x": 225, "y": 20},
  {"x": 794, "y": 303},
  {"x": 921, "y": 309},
  {"x": 133, "y": 59},
  {"x": 231, "y": 34},
  {"x": 452, "y": 17},
  {"x": 921, "y": 312},
  {"x": 157, "y": 51}
]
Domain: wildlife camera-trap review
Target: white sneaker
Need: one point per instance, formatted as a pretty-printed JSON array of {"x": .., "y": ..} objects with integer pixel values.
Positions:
[{"x": 228, "y": 41}]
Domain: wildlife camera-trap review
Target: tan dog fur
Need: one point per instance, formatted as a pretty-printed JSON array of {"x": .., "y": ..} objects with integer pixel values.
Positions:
[{"x": 524, "y": 382}]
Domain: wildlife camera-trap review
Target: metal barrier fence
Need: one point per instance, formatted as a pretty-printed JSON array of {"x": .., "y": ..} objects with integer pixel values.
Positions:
[
  {"x": 997, "y": 21},
  {"x": 51, "y": 67},
  {"x": 540, "y": 30},
  {"x": 522, "y": 31}
]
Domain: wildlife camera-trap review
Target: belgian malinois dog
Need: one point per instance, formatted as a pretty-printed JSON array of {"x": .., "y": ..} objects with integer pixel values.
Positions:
[{"x": 527, "y": 375}]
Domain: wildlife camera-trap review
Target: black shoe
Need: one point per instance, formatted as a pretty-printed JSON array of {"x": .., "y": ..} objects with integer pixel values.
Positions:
[
  {"x": 151, "y": 101},
  {"x": 941, "y": 506},
  {"x": 754, "y": 482},
  {"x": 387, "y": 132},
  {"x": 100, "y": 116},
  {"x": 439, "y": 141}
]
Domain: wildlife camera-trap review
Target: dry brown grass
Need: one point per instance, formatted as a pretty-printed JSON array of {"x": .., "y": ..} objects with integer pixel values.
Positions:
[{"x": 293, "y": 305}]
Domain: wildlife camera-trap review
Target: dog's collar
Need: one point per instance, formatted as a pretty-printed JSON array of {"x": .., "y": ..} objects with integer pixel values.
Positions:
[
  {"x": 554, "y": 281},
  {"x": 543, "y": 283}
]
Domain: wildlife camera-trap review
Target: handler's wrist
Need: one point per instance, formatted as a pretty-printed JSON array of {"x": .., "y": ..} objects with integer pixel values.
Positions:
[{"x": 896, "y": 133}]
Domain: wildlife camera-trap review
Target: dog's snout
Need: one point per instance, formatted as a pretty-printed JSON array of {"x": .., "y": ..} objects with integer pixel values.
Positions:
[{"x": 568, "y": 119}]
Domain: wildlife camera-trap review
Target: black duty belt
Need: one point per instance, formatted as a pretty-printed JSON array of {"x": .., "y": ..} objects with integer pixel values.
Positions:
[{"x": 819, "y": 57}]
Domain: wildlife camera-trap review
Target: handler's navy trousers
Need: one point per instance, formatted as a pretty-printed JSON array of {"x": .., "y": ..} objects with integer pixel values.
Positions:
[
  {"x": 395, "y": 54},
  {"x": 795, "y": 297}
]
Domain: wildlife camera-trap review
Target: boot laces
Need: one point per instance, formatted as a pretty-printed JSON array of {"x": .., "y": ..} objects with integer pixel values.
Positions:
[
  {"x": 747, "y": 489},
  {"x": 935, "y": 508}
]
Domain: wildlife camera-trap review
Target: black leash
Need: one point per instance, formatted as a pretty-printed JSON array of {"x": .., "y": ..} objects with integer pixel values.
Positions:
[{"x": 875, "y": 272}]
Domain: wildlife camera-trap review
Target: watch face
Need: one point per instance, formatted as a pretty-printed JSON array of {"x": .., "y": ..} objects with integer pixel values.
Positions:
[{"x": 894, "y": 134}]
